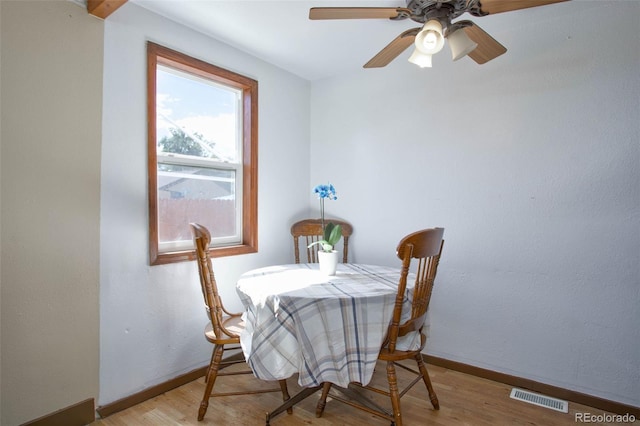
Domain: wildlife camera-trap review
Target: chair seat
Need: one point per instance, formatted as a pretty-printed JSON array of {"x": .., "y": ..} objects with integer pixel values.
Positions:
[
  {"x": 407, "y": 347},
  {"x": 233, "y": 324},
  {"x": 396, "y": 355}
]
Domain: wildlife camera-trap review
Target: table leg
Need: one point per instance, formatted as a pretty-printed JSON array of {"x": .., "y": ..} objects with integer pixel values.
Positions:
[
  {"x": 356, "y": 399},
  {"x": 303, "y": 394}
]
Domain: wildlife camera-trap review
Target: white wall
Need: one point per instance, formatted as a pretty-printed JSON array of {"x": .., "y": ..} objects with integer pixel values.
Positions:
[
  {"x": 152, "y": 317},
  {"x": 51, "y": 128},
  {"x": 531, "y": 163}
]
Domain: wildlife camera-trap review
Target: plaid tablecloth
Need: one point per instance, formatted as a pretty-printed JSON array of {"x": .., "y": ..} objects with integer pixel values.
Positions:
[{"x": 326, "y": 328}]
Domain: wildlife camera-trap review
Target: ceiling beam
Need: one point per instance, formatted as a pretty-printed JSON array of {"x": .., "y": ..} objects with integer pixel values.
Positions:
[{"x": 103, "y": 8}]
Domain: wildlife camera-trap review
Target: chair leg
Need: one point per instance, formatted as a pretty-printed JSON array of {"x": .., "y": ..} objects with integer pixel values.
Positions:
[
  {"x": 206, "y": 375},
  {"x": 285, "y": 394},
  {"x": 427, "y": 382},
  {"x": 393, "y": 393},
  {"x": 322, "y": 402},
  {"x": 212, "y": 373}
]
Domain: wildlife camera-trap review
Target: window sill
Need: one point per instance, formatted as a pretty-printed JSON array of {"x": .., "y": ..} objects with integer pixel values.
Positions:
[{"x": 189, "y": 255}]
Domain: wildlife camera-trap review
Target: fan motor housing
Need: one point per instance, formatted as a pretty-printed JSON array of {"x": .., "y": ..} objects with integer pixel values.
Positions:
[{"x": 444, "y": 11}]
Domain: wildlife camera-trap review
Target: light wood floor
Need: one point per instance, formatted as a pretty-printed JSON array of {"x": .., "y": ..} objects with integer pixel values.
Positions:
[{"x": 464, "y": 400}]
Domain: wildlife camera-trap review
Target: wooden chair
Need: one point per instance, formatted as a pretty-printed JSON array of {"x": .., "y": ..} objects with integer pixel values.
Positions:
[
  {"x": 310, "y": 230},
  {"x": 425, "y": 247},
  {"x": 223, "y": 329}
]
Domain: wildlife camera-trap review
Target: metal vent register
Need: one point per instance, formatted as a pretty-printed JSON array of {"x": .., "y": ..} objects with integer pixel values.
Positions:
[{"x": 541, "y": 400}]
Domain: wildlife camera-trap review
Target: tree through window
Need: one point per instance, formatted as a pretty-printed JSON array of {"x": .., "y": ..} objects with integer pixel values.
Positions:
[{"x": 202, "y": 156}]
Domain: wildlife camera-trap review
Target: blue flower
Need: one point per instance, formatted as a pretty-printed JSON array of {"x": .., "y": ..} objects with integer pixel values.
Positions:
[
  {"x": 326, "y": 191},
  {"x": 331, "y": 232}
]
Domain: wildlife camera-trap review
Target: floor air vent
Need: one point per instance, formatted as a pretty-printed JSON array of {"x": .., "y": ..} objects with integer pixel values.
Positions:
[{"x": 541, "y": 400}]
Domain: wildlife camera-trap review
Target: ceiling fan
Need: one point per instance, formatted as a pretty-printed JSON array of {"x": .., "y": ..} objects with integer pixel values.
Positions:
[{"x": 464, "y": 37}]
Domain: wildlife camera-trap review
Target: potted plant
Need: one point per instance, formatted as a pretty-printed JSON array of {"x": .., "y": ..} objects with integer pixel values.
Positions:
[{"x": 331, "y": 233}]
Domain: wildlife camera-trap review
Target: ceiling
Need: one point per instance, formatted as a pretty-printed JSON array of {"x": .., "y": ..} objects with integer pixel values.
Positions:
[{"x": 281, "y": 33}]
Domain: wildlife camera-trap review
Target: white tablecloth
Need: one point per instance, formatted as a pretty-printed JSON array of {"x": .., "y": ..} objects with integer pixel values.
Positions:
[{"x": 326, "y": 328}]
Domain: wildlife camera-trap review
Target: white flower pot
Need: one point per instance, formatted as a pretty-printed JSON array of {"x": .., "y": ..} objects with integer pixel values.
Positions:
[{"x": 328, "y": 261}]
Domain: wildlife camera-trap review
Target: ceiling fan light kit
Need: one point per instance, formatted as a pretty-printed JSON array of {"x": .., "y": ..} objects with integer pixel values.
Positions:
[
  {"x": 465, "y": 37},
  {"x": 420, "y": 59},
  {"x": 428, "y": 42},
  {"x": 430, "y": 39},
  {"x": 460, "y": 43}
]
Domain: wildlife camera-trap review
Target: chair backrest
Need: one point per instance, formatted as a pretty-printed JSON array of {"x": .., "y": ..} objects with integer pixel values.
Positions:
[
  {"x": 310, "y": 230},
  {"x": 425, "y": 247},
  {"x": 213, "y": 302}
]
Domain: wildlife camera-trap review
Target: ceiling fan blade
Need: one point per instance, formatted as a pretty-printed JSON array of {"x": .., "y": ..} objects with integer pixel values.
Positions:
[
  {"x": 498, "y": 6},
  {"x": 358, "y": 12},
  {"x": 393, "y": 49},
  {"x": 488, "y": 48}
]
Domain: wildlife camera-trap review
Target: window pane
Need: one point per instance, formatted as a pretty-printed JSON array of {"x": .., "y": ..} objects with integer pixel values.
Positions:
[
  {"x": 202, "y": 156},
  {"x": 195, "y": 194},
  {"x": 195, "y": 116}
]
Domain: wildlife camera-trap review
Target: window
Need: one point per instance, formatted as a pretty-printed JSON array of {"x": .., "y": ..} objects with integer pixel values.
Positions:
[{"x": 202, "y": 147}]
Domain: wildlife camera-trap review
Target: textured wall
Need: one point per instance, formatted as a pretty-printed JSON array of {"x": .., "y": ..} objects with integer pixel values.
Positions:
[
  {"x": 152, "y": 317},
  {"x": 51, "y": 128},
  {"x": 531, "y": 163}
]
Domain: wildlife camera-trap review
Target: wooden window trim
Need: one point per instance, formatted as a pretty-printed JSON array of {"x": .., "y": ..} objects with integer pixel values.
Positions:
[{"x": 157, "y": 54}]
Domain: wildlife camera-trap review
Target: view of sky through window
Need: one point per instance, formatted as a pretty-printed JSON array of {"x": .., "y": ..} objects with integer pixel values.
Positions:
[{"x": 205, "y": 111}]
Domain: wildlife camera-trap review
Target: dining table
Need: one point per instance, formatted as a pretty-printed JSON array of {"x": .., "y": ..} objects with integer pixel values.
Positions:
[{"x": 324, "y": 328}]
